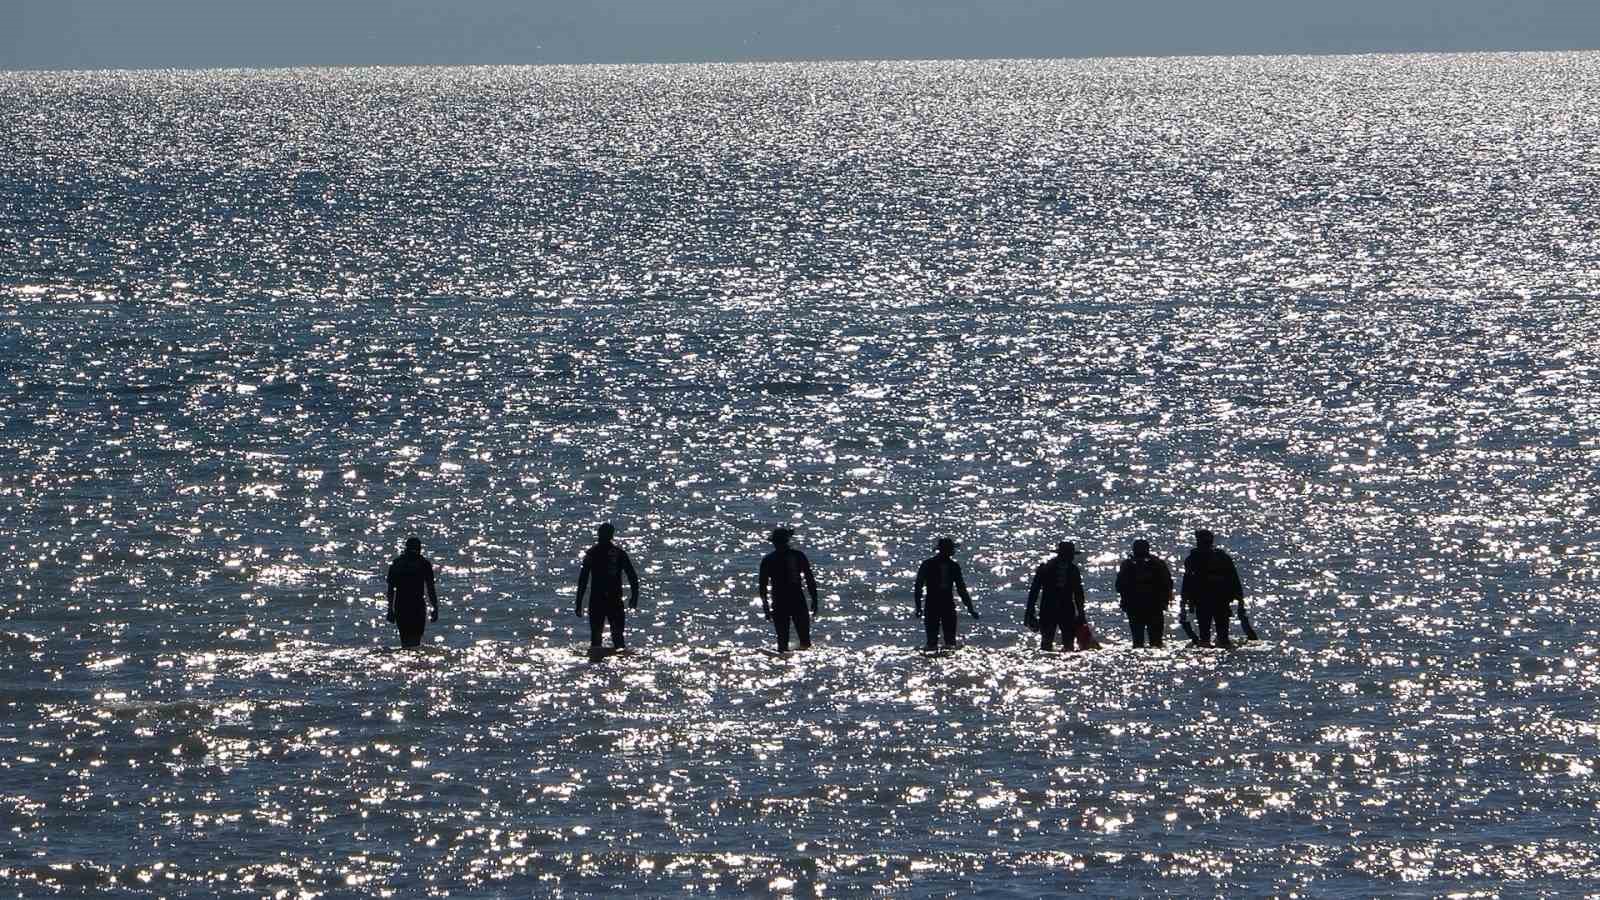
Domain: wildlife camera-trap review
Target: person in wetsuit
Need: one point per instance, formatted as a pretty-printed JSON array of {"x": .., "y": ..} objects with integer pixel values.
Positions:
[
  {"x": 786, "y": 575},
  {"x": 1058, "y": 590},
  {"x": 410, "y": 579},
  {"x": 1145, "y": 583},
  {"x": 1210, "y": 586},
  {"x": 940, "y": 577},
  {"x": 604, "y": 564}
]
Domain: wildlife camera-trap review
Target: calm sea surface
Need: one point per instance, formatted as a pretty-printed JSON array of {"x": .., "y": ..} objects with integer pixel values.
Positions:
[{"x": 258, "y": 326}]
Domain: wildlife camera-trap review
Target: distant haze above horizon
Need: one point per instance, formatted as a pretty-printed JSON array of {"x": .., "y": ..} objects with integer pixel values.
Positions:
[{"x": 87, "y": 34}]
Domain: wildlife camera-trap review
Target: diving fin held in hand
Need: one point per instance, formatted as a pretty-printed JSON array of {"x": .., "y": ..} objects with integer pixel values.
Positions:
[
  {"x": 1194, "y": 639},
  {"x": 1183, "y": 621},
  {"x": 1244, "y": 621}
]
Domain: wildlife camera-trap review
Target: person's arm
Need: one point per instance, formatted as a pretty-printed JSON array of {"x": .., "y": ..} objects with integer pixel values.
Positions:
[
  {"x": 811, "y": 581},
  {"x": 961, "y": 588},
  {"x": 1238, "y": 596},
  {"x": 389, "y": 595},
  {"x": 1029, "y": 617},
  {"x": 1078, "y": 599},
  {"x": 1172, "y": 594},
  {"x": 916, "y": 594},
  {"x": 766, "y": 576},
  {"x": 1183, "y": 592},
  {"x": 633, "y": 582},
  {"x": 583, "y": 582},
  {"x": 433, "y": 594},
  {"x": 1122, "y": 585}
]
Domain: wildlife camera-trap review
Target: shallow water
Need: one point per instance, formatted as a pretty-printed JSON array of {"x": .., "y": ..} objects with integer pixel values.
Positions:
[{"x": 258, "y": 326}]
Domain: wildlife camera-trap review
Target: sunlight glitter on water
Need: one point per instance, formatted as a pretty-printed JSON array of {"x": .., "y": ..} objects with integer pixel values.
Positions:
[{"x": 261, "y": 325}]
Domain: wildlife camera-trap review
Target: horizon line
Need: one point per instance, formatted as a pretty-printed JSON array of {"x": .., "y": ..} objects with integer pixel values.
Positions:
[{"x": 798, "y": 60}]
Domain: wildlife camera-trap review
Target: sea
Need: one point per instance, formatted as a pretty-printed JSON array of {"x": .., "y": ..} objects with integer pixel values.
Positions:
[{"x": 259, "y": 326}]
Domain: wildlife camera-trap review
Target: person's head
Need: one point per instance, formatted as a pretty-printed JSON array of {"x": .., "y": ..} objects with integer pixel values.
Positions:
[
  {"x": 607, "y": 532},
  {"x": 1141, "y": 548},
  {"x": 1067, "y": 550},
  {"x": 780, "y": 536},
  {"x": 1203, "y": 538},
  {"x": 413, "y": 544},
  {"x": 947, "y": 547}
]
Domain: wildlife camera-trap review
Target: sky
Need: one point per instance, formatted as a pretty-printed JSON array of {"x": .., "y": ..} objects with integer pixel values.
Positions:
[{"x": 79, "y": 34}]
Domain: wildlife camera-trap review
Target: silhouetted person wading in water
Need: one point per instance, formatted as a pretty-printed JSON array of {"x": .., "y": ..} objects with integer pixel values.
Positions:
[
  {"x": 787, "y": 573},
  {"x": 1145, "y": 584},
  {"x": 941, "y": 577},
  {"x": 1058, "y": 588},
  {"x": 604, "y": 564},
  {"x": 410, "y": 575},
  {"x": 1210, "y": 585}
]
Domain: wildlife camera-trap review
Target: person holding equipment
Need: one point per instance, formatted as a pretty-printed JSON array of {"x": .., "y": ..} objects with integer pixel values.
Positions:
[{"x": 1210, "y": 586}]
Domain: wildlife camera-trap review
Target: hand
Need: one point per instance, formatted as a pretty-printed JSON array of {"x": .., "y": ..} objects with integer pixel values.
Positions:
[
  {"x": 767, "y": 611},
  {"x": 634, "y": 603},
  {"x": 974, "y": 612},
  {"x": 435, "y": 616},
  {"x": 918, "y": 612},
  {"x": 578, "y": 612},
  {"x": 814, "y": 607},
  {"x": 389, "y": 615}
]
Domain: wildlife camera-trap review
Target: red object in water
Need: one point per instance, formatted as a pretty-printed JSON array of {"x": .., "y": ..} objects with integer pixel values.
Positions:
[{"x": 1086, "y": 638}]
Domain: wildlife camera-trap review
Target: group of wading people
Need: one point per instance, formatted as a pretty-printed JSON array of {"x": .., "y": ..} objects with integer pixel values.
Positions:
[{"x": 1210, "y": 587}]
